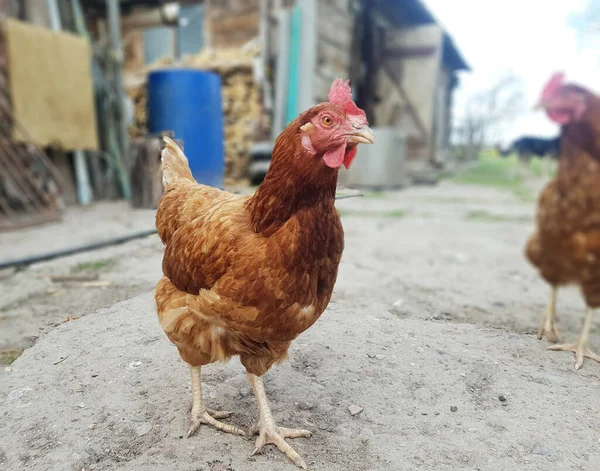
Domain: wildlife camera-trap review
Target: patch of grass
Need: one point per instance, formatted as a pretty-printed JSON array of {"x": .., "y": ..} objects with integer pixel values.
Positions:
[
  {"x": 448, "y": 200},
  {"x": 502, "y": 173},
  {"x": 545, "y": 168},
  {"x": 95, "y": 265},
  {"x": 15, "y": 304},
  {"x": 479, "y": 215},
  {"x": 7, "y": 357},
  {"x": 395, "y": 213},
  {"x": 374, "y": 195}
]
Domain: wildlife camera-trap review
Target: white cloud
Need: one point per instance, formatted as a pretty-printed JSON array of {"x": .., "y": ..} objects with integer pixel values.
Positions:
[{"x": 528, "y": 38}]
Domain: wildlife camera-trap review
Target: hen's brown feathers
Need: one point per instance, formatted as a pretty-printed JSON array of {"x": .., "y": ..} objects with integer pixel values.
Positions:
[
  {"x": 246, "y": 275},
  {"x": 566, "y": 246}
]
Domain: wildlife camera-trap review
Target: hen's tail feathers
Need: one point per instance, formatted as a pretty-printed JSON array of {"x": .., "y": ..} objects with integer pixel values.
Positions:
[{"x": 175, "y": 164}]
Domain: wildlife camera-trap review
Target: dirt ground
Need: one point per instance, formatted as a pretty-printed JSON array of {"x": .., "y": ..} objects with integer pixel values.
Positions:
[{"x": 430, "y": 332}]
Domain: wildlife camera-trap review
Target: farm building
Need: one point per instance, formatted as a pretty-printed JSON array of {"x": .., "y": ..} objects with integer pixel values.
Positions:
[
  {"x": 402, "y": 64},
  {"x": 274, "y": 58}
]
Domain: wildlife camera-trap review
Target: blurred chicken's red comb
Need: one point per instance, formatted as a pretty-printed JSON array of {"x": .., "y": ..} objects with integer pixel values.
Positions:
[
  {"x": 341, "y": 94},
  {"x": 555, "y": 82}
]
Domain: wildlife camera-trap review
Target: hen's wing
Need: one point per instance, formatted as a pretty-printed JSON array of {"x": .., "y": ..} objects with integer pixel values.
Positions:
[
  {"x": 204, "y": 241},
  {"x": 196, "y": 223}
]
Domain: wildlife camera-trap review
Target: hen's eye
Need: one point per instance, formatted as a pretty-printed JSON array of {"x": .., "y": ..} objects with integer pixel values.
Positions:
[{"x": 327, "y": 121}]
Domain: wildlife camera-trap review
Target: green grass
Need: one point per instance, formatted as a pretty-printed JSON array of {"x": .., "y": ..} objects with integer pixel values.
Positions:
[
  {"x": 395, "y": 213},
  {"x": 15, "y": 304},
  {"x": 374, "y": 194},
  {"x": 542, "y": 167},
  {"x": 496, "y": 172},
  {"x": 95, "y": 265},
  {"x": 7, "y": 357},
  {"x": 486, "y": 216}
]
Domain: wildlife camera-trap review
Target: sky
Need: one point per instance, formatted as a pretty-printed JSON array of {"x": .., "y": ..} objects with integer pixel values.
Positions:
[{"x": 530, "y": 39}]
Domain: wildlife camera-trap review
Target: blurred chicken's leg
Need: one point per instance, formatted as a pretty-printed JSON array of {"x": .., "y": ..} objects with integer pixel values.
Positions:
[
  {"x": 580, "y": 348},
  {"x": 548, "y": 324},
  {"x": 268, "y": 432},
  {"x": 200, "y": 415}
]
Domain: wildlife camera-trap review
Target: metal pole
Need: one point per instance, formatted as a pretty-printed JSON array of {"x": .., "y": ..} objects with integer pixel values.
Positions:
[{"x": 114, "y": 33}]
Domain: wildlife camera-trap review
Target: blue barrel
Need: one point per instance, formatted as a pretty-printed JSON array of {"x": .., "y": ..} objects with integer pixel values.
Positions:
[{"x": 188, "y": 102}]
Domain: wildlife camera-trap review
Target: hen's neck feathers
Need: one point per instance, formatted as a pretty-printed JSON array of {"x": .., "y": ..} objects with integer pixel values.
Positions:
[
  {"x": 580, "y": 140},
  {"x": 296, "y": 180}
]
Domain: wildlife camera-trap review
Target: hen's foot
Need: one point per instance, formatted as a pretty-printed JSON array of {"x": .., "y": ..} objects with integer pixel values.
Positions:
[
  {"x": 201, "y": 415},
  {"x": 581, "y": 351},
  {"x": 548, "y": 329},
  {"x": 548, "y": 323},
  {"x": 208, "y": 417},
  {"x": 273, "y": 435},
  {"x": 268, "y": 432},
  {"x": 580, "y": 348}
]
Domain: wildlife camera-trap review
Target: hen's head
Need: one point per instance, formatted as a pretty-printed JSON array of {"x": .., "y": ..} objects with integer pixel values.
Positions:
[
  {"x": 563, "y": 103},
  {"x": 334, "y": 129}
]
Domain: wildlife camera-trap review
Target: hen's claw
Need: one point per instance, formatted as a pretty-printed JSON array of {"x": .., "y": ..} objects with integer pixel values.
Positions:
[
  {"x": 581, "y": 351},
  {"x": 268, "y": 432},
  {"x": 208, "y": 417},
  {"x": 275, "y": 436}
]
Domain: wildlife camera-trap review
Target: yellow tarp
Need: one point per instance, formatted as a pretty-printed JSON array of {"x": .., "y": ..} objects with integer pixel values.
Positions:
[{"x": 51, "y": 86}]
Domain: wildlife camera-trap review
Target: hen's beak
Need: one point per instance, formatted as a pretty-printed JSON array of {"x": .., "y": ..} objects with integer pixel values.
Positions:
[{"x": 361, "y": 136}]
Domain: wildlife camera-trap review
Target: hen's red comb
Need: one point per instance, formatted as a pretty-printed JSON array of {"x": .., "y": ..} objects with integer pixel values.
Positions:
[
  {"x": 341, "y": 94},
  {"x": 555, "y": 82}
]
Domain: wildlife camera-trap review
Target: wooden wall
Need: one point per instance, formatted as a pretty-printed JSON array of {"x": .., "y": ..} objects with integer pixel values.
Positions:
[
  {"x": 231, "y": 23},
  {"x": 334, "y": 44},
  {"x": 408, "y": 84}
]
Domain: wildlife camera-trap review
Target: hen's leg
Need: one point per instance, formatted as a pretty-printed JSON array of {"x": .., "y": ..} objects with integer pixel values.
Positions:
[
  {"x": 580, "y": 348},
  {"x": 201, "y": 415},
  {"x": 268, "y": 432},
  {"x": 548, "y": 324}
]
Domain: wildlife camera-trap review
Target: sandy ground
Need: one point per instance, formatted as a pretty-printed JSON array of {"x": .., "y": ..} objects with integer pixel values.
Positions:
[{"x": 430, "y": 332}]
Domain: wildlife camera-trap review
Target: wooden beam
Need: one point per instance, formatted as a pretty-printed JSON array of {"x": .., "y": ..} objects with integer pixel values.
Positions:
[
  {"x": 408, "y": 52},
  {"x": 411, "y": 109}
]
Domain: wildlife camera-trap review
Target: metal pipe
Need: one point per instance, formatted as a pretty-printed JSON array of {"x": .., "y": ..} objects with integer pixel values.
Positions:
[
  {"x": 114, "y": 33},
  {"x": 23, "y": 262}
]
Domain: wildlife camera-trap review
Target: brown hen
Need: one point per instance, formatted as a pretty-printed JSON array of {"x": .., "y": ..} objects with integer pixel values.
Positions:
[
  {"x": 246, "y": 275},
  {"x": 566, "y": 246}
]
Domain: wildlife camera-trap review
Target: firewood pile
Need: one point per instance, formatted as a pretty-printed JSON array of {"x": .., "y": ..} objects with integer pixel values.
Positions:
[{"x": 241, "y": 102}]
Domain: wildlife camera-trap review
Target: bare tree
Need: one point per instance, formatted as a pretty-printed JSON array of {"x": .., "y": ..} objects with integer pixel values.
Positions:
[{"x": 486, "y": 113}]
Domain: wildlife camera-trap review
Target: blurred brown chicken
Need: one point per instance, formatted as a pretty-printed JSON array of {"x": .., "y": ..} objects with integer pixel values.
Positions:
[
  {"x": 246, "y": 275},
  {"x": 566, "y": 246}
]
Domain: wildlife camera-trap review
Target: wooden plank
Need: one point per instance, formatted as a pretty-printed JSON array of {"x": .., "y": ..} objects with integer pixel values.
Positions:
[
  {"x": 409, "y": 52},
  {"x": 133, "y": 49},
  {"x": 334, "y": 20},
  {"x": 308, "y": 52},
  {"x": 282, "y": 69},
  {"x": 234, "y": 30},
  {"x": 411, "y": 109},
  {"x": 340, "y": 36},
  {"x": 29, "y": 220},
  {"x": 220, "y": 8},
  {"x": 332, "y": 59},
  {"x": 230, "y": 23},
  {"x": 340, "y": 6}
]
